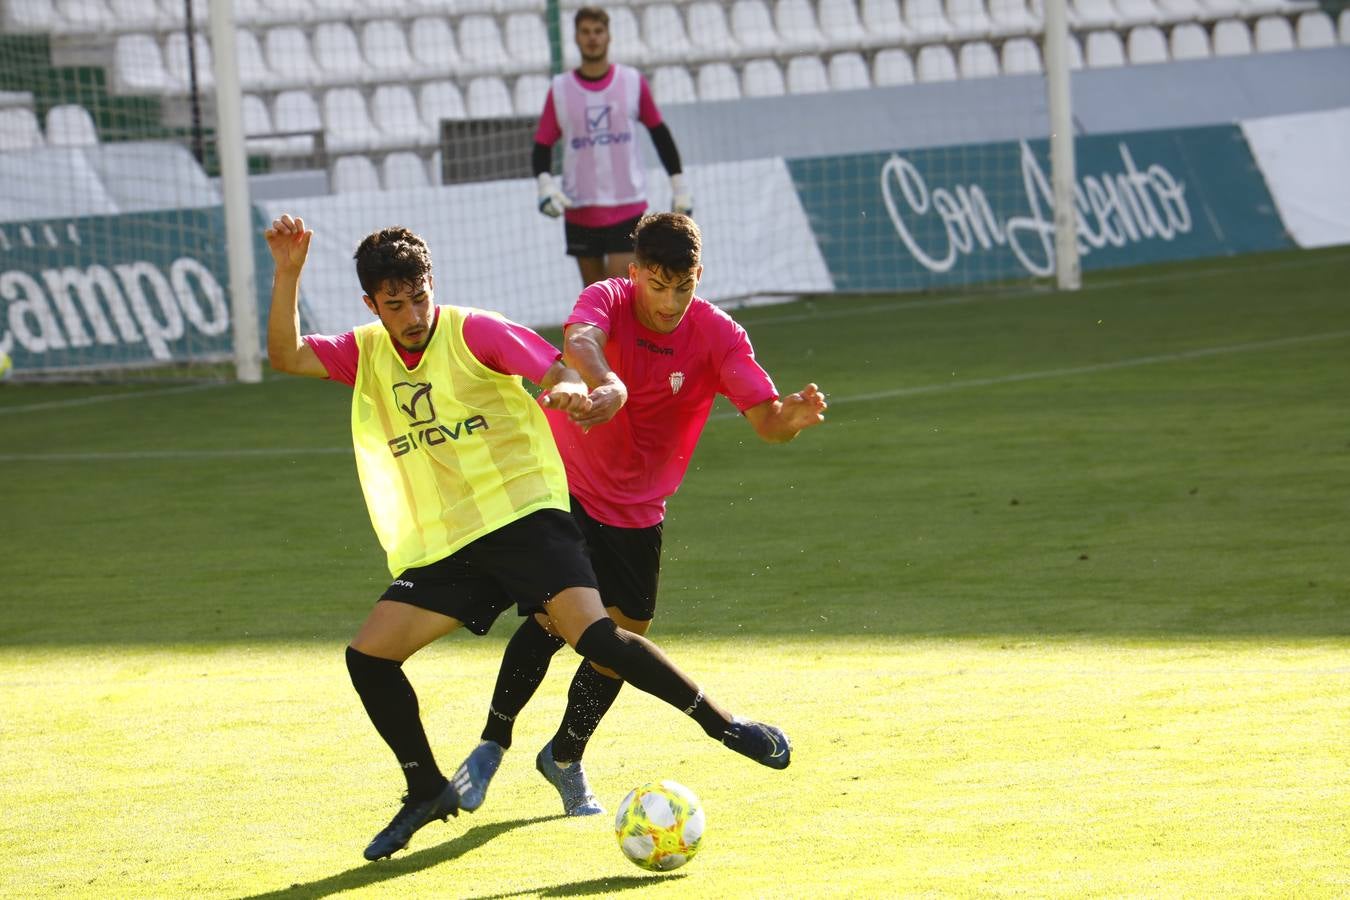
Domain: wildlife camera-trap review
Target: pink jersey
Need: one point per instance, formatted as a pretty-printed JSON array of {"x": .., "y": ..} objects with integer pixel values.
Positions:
[
  {"x": 499, "y": 344},
  {"x": 602, "y": 169},
  {"x": 623, "y": 470}
]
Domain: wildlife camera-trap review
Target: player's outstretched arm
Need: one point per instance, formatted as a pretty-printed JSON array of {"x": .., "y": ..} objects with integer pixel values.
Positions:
[
  {"x": 566, "y": 390},
  {"x": 286, "y": 351},
  {"x": 779, "y": 421},
  {"x": 584, "y": 350}
]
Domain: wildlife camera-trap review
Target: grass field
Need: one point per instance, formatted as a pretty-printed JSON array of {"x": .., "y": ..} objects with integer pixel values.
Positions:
[{"x": 1057, "y": 604}]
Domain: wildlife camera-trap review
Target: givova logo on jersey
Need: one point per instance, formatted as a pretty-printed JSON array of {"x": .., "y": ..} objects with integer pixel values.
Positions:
[
  {"x": 598, "y": 133},
  {"x": 413, "y": 399}
]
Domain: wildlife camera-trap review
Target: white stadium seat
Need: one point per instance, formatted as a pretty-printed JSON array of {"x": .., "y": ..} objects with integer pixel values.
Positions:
[
  {"x": 338, "y": 53},
  {"x": 664, "y": 34},
  {"x": 176, "y": 62},
  {"x": 385, "y": 48},
  {"x": 488, "y": 98},
  {"x": 806, "y": 75},
  {"x": 1104, "y": 50},
  {"x": 718, "y": 81},
  {"x": 1146, "y": 44},
  {"x": 752, "y": 26},
  {"x": 713, "y": 39},
  {"x": 626, "y": 44},
  {"x": 1189, "y": 41},
  {"x": 762, "y": 78},
  {"x": 354, "y": 174},
  {"x": 527, "y": 41},
  {"x": 1222, "y": 8},
  {"x": 1315, "y": 29},
  {"x": 290, "y": 58},
  {"x": 969, "y": 19},
  {"x": 137, "y": 15},
  {"x": 1012, "y": 18},
  {"x": 1086, "y": 14},
  {"x": 396, "y": 118},
  {"x": 432, "y": 42},
  {"x": 797, "y": 28},
  {"x": 935, "y": 63},
  {"x": 438, "y": 100},
  {"x": 673, "y": 84},
  {"x": 1231, "y": 38},
  {"x": 884, "y": 25},
  {"x": 848, "y": 72},
  {"x": 1021, "y": 56},
  {"x": 928, "y": 20},
  {"x": 29, "y": 17},
  {"x": 892, "y": 66},
  {"x": 336, "y": 10},
  {"x": 404, "y": 171},
  {"x": 19, "y": 129},
  {"x": 260, "y": 131},
  {"x": 296, "y": 111},
  {"x": 347, "y": 125},
  {"x": 253, "y": 71},
  {"x": 840, "y": 24},
  {"x": 138, "y": 65},
  {"x": 977, "y": 60},
  {"x": 1075, "y": 53},
  {"x": 84, "y": 16},
  {"x": 70, "y": 125},
  {"x": 1343, "y": 25},
  {"x": 528, "y": 93},
  {"x": 1138, "y": 12},
  {"x": 1273, "y": 34},
  {"x": 481, "y": 46},
  {"x": 1191, "y": 11}
]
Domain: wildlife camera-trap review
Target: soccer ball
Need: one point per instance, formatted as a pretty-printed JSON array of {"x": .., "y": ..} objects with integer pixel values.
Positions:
[{"x": 660, "y": 825}]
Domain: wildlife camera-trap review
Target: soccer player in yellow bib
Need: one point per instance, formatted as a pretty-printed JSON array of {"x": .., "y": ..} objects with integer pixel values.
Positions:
[{"x": 468, "y": 496}]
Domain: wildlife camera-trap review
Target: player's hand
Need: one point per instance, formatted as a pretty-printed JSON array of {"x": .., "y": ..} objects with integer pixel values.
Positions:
[
  {"x": 552, "y": 201},
  {"x": 804, "y": 408},
  {"x": 607, "y": 398},
  {"x": 568, "y": 396},
  {"x": 289, "y": 242},
  {"x": 681, "y": 197}
]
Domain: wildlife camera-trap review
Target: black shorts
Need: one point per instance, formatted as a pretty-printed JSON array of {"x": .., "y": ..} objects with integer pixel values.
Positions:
[
  {"x": 524, "y": 563},
  {"x": 584, "y": 241},
  {"x": 627, "y": 563}
]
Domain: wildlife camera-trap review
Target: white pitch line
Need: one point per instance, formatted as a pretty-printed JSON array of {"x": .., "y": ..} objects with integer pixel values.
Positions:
[
  {"x": 105, "y": 398},
  {"x": 920, "y": 390}
]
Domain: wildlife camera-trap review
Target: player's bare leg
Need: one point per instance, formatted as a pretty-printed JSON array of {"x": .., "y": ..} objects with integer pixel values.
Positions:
[{"x": 592, "y": 269}]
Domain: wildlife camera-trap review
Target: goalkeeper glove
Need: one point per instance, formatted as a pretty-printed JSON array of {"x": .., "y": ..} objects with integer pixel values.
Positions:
[
  {"x": 552, "y": 201},
  {"x": 681, "y": 198}
]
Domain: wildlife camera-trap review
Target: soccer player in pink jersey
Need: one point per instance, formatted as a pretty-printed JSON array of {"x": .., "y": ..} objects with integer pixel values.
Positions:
[
  {"x": 594, "y": 110},
  {"x": 655, "y": 357},
  {"x": 464, "y": 486}
]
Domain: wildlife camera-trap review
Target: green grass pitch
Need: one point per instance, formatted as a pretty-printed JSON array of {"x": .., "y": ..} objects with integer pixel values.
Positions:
[{"x": 1056, "y": 604}]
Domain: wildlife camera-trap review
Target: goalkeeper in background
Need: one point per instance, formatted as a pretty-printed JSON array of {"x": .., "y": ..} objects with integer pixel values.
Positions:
[
  {"x": 655, "y": 357},
  {"x": 595, "y": 109}
]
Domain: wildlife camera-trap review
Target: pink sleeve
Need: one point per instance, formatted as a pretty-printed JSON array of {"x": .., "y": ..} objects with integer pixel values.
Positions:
[
  {"x": 548, "y": 131},
  {"x": 741, "y": 378},
  {"x": 508, "y": 348},
  {"x": 338, "y": 354},
  {"x": 595, "y": 303},
  {"x": 648, "y": 114}
]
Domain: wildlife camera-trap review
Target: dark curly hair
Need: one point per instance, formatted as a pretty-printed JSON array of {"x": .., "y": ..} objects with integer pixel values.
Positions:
[
  {"x": 391, "y": 255},
  {"x": 669, "y": 240}
]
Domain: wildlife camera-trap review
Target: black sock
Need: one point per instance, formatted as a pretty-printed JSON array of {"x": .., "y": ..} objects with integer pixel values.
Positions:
[
  {"x": 588, "y": 699},
  {"x": 391, "y": 704},
  {"x": 524, "y": 664},
  {"x": 645, "y": 667}
]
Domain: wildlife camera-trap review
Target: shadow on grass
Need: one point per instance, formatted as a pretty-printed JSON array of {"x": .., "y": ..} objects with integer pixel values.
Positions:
[
  {"x": 384, "y": 870},
  {"x": 590, "y": 887}
]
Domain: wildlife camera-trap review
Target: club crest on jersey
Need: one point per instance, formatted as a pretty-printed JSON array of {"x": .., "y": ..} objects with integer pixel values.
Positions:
[
  {"x": 676, "y": 382},
  {"x": 414, "y": 401}
]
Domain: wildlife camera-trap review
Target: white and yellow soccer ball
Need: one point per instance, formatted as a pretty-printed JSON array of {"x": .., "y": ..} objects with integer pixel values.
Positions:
[{"x": 660, "y": 825}]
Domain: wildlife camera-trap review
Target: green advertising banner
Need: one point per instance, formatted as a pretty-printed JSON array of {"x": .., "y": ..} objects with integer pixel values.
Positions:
[
  {"x": 961, "y": 215},
  {"x": 116, "y": 291}
]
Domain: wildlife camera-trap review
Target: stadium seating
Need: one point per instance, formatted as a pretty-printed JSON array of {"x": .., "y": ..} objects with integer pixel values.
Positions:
[
  {"x": 892, "y": 66},
  {"x": 935, "y": 63},
  {"x": 393, "y": 111},
  {"x": 1273, "y": 34},
  {"x": 807, "y": 75},
  {"x": 762, "y": 78},
  {"x": 1020, "y": 56},
  {"x": 347, "y": 125},
  {"x": 1146, "y": 44},
  {"x": 797, "y": 28},
  {"x": 848, "y": 72},
  {"x": 673, "y": 84},
  {"x": 404, "y": 170},
  {"x": 384, "y": 45},
  {"x": 708, "y": 21},
  {"x": 977, "y": 60},
  {"x": 353, "y": 174},
  {"x": 718, "y": 81},
  {"x": 752, "y": 26},
  {"x": 1231, "y": 38},
  {"x": 138, "y": 66},
  {"x": 667, "y": 40},
  {"x": 528, "y": 93},
  {"x": 433, "y": 47},
  {"x": 19, "y": 129},
  {"x": 1104, "y": 49},
  {"x": 488, "y": 98},
  {"x": 626, "y": 42},
  {"x": 438, "y": 100},
  {"x": 1315, "y": 29},
  {"x": 841, "y": 25},
  {"x": 70, "y": 125},
  {"x": 884, "y": 25},
  {"x": 176, "y": 62},
  {"x": 1189, "y": 41}
]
